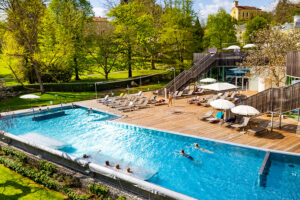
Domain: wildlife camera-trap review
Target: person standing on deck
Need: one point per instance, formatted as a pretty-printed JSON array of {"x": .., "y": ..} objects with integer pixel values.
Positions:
[{"x": 170, "y": 99}]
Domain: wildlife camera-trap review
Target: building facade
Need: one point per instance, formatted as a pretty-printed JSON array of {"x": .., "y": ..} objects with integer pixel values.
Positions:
[{"x": 242, "y": 13}]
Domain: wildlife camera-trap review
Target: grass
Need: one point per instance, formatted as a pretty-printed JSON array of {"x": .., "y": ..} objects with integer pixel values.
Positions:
[
  {"x": 14, "y": 186},
  {"x": 16, "y": 103},
  {"x": 293, "y": 116}
]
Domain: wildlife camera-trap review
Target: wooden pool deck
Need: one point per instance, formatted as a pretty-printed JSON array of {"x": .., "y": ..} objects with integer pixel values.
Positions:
[{"x": 183, "y": 118}]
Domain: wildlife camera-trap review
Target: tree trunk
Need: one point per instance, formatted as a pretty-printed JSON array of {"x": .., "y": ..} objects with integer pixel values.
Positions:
[
  {"x": 105, "y": 69},
  {"x": 38, "y": 76},
  {"x": 129, "y": 62},
  {"x": 76, "y": 70},
  {"x": 19, "y": 81},
  {"x": 152, "y": 62}
]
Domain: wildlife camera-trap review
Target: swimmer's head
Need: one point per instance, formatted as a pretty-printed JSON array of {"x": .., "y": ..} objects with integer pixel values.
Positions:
[
  {"x": 107, "y": 163},
  {"x": 182, "y": 151},
  {"x": 85, "y": 156},
  {"x": 117, "y": 166},
  {"x": 196, "y": 145},
  {"x": 128, "y": 170}
]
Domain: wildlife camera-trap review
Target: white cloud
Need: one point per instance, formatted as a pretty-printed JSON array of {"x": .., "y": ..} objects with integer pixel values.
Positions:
[
  {"x": 100, "y": 12},
  {"x": 215, "y": 5},
  {"x": 270, "y": 7}
]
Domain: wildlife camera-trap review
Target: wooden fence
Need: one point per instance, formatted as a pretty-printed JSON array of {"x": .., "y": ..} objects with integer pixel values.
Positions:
[
  {"x": 282, "y": 99},
  {"x": 293, "y": 64}
]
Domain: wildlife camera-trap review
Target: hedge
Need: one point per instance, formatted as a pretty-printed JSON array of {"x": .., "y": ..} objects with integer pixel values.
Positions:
[
  {"x": 90, "y": 87},
  {"x": 8, "y": 151},
  {"x": 99, "y": 190}
]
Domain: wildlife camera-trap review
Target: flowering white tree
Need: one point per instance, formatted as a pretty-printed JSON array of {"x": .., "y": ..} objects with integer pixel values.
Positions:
[{"x": 269, "y": 55}]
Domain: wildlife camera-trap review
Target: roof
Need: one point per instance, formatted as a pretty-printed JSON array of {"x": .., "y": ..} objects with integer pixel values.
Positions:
[
  {"x": 99, "y": 19},
  {"x": 247, "y": 8}
]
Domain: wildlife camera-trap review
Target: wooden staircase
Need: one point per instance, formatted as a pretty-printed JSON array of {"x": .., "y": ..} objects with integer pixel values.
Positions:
[{"x": 193, "y": 74}]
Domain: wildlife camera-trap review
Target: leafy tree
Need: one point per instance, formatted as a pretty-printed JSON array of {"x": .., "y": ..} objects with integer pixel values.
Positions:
[
  {"x": 269, "y": 56},
  {"x": 285, "y": 11},
  {"x": 71, "y": 17},
  {"x": 23, "y": 19},
  {"x": 255, "y": 24},
  {"x": 176, "y": 33},
  {"x": 220, "y": 29},
  {"x": 102, "y": 48},
  {"x": 132, "y": 27},
  {"x": 198, "y": 34}
]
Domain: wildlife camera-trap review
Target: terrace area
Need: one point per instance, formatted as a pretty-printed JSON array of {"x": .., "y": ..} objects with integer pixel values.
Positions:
[{"x": 182, "y": 117}]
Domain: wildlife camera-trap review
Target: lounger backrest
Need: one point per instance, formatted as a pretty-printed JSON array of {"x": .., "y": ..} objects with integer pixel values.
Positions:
[
  {"x": 246, "y": 121},
  {"x": 190, "y": 92},
  {"x": 175, "y": 93},
  {"x": 179, "y": 94},
  {"x": 130, "y": 104},
  {"x": 209, "y": 113},
  {"x": 106, "y": 97}
]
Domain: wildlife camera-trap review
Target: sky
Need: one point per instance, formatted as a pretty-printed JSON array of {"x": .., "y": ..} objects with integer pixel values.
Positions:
[{"x": 202, "y": 7}]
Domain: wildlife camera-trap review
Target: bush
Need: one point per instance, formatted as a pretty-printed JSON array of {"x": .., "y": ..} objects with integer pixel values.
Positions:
[
  {"x": 8, "y": 151},
  {"x": 32, "y": 173},
  {"x": 74, "y": 196},
  {"x": 98, "y": 190},
  {"x": 48, "y": 167},
  {"x": 121, "y": 198},
  {"x": 72, "y": 181}
]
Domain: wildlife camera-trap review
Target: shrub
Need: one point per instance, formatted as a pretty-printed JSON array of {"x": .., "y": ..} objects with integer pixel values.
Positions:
[
  {"x": 74, "y": 196},
  {"x": 72, "y": 181},
  {"x": 121, "y": 198},
  {"x": 98, "y": 190},
  {"x": 10, "y": 152},
  {"x": 43, "y": 165}
]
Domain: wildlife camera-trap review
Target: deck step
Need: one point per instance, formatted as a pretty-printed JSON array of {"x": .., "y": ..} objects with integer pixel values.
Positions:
[{"x": 263, "y": 171}]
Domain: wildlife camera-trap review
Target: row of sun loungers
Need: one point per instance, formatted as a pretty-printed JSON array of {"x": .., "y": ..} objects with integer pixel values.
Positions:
[
  {"x": 125, "y": 102},
  {"x": 242, "y": 124}
]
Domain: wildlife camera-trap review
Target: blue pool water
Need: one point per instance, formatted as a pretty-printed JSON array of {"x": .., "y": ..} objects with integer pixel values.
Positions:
[{"x": 231, "y": 172}]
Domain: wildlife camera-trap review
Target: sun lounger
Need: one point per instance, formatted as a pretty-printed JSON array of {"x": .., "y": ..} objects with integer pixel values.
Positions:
[
  {"x": 224, "y": 96},
  {"x": 243, "y": 123},
  {"x": 121, "y": 104},
  {"x": 199, "y": 91},
  {"x": 262, "y": 127},
  {"x": 144, "y": 104},
  {"x": 206, "y": 115},
  {"x": 190, "y": 93},
  {"x": 218, "y": 118},
  {"x": 110, "y": 101},
  {"x": 103, "y": 99},
  {"x": 130, "y": 107},
  {"x": 179, "y": 94},
  {"x": 231, "y": 97},
  {"x": 175, "y": 94}
]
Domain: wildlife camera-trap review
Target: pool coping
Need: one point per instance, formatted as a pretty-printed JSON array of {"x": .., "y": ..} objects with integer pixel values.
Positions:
[{"x": 144, "y": 185}]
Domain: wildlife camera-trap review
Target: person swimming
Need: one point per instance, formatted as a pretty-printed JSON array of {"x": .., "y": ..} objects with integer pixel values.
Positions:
[
  {"x": 92, "y": 155},
  {"x": 182, "y": 153},
  {"x": 107, "y": 163},
  {"x": 201, "y": 149},
  {"x": 118, "y": 166},
  {"x": 128, "y": 170}
]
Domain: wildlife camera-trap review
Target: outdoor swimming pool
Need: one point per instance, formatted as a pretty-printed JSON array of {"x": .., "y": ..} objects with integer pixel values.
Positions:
[{"x": 230, "y": 172}]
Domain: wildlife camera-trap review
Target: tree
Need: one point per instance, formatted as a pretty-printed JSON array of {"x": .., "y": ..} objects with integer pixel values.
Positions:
[
  {"x": 102, "y": 48},
  {"x": 285, "y": 11},
  {"x": 71, "y": 17},
  {"x": 198, "y": 34},
  {"x": 269, "y": 56},
  {"x": 254, "y": 24},
  {"x": 23, "y": 19},
  {"x": 132, "y": 27},
  {"x": 220, "y": 29},
  {"x": 176, "y": 33}
]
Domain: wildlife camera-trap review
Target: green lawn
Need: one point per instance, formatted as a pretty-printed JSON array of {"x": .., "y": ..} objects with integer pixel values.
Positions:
[
  {"x": 16, "y": 187},
  {"x": 17, "y": 103}
]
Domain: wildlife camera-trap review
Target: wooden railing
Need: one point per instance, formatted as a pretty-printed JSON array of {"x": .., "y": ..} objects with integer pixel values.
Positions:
[
  {"x": 202, "y": 64},
  {"x": 281, "y": 100}
]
